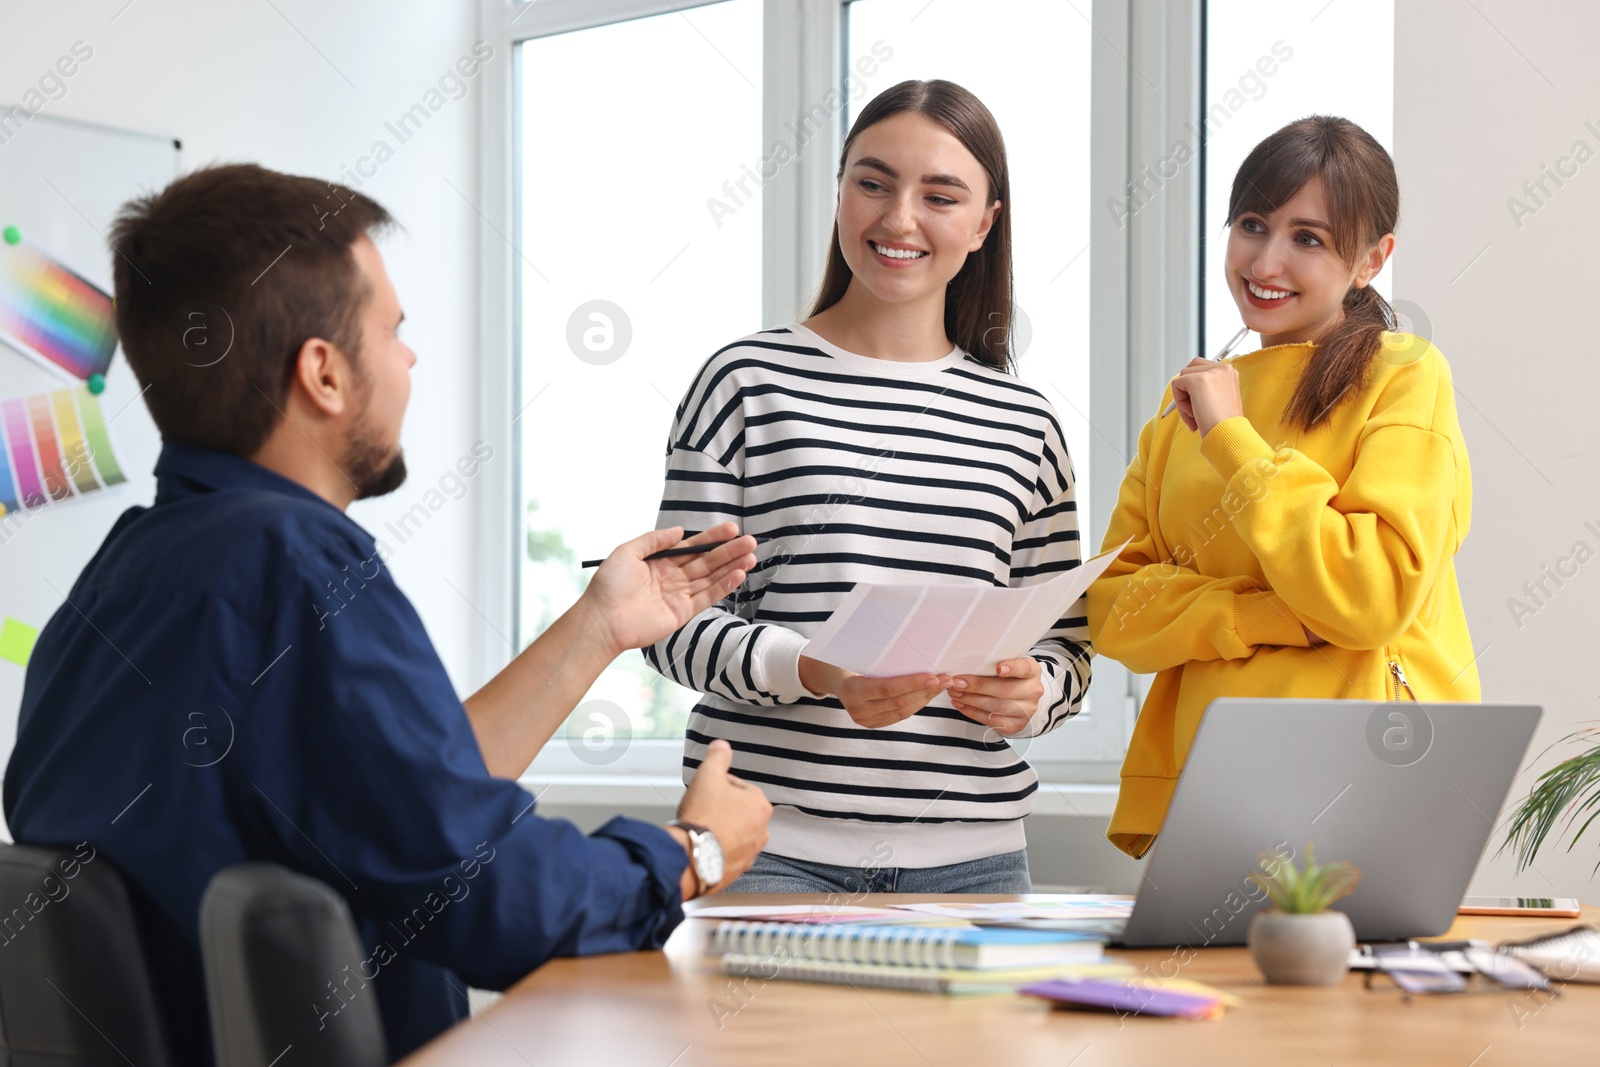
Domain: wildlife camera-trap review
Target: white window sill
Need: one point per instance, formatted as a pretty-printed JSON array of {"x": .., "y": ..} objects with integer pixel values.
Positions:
[{"x": 1094, "y": 799}]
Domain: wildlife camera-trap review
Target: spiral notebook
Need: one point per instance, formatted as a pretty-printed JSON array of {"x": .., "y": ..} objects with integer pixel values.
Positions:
[
  {"x": 940, "y": 947},
  {"x": 1570, "y": 956}
]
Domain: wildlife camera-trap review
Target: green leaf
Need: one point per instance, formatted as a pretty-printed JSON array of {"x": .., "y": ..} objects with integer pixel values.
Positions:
[
  {"x": 1569, "y": 788},
  {"x": 1304, "y": 890}
]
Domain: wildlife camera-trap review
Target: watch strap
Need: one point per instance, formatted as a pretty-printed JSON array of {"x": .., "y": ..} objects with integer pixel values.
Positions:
[{"x": 693, "y": 829}]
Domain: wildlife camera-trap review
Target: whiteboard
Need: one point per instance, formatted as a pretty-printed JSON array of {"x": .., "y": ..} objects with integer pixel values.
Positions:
[{"x": 61, "y": 184}]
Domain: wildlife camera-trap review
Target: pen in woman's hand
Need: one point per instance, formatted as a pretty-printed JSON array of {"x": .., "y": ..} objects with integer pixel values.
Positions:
[
  {"x": 1222, "y": 354},
  {"x": 681, "y": 550}
]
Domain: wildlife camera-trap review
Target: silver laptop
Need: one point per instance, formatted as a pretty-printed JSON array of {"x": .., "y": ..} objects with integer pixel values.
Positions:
[{"x": 1407, "y": 792}]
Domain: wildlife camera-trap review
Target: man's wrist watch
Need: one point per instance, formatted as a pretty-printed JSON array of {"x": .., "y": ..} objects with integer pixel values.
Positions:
[{"x": 705, "y": 855}]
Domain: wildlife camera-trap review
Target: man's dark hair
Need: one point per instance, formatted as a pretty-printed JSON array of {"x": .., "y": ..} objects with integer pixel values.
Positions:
[{"x": 220, "y": 279}]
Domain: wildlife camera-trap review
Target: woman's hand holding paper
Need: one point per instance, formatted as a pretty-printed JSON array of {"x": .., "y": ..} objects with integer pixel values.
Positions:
[
  {"x": 1005, "y": 700},
  {"x": 872, "y": 702}
]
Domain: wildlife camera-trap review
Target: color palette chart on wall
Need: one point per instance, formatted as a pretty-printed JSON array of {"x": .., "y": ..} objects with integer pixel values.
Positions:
[
  {"x": 57, "y": 448},
  {"x": 52, "y": 314}
]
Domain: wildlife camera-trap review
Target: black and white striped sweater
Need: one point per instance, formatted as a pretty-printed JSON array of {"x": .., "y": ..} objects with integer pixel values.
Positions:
[{"x": 851, "y": 469}]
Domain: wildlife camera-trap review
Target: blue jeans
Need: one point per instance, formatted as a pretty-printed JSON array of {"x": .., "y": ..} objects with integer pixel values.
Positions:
[{"x": 1005, "y": 873}]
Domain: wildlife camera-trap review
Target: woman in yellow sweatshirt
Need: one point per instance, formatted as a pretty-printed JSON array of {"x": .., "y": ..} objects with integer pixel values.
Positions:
[{"x": 1294, "y": 524}]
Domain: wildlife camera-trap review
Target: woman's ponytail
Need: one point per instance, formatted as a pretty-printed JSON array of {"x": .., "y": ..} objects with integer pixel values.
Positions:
[{"x": 1343, "y": 358}]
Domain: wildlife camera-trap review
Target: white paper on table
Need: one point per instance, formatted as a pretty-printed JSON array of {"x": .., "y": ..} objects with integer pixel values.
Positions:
[
  {"x": 1052, "y": 908},
  {"x": 884, "y": 631},
  {"x": 796, "y": 913}
]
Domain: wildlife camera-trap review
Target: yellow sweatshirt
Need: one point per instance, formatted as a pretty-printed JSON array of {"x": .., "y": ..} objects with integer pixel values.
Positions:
[{"x": 1241, "y": 539}]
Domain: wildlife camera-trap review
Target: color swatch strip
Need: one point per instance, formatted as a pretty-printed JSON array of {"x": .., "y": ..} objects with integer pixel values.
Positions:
[
  {"x": 48, "y": 447},
  {"x": 53, "y": 314},
  {"x": 72, "y": 442},
  {"x": 19, "y": 449},
  {"x": 99, "y": 440},
  {"x": 56, "y": 448}
]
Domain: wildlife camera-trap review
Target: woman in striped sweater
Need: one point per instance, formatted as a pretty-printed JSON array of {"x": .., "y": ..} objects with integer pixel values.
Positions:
[{"x": 882, "y": 440}]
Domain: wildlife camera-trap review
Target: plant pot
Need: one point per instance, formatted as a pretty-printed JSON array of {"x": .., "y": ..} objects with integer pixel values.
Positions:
[{"x": 1301, "y": 949}]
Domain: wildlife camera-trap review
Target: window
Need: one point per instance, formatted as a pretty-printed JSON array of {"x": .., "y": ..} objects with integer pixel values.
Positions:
[
  {"x": 1266, "y": 66},
  {"x": 628, "y": 148},
  {"x": 641, "y": 255}
]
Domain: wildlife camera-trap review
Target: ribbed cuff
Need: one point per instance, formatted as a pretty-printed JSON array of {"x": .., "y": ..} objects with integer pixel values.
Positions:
[
  {"x": 1053, "y": 687},
  {"x": 777, "y": 663},
  {"x": 1264, "y": 619},
  {"x": 1232, "y": 445}
]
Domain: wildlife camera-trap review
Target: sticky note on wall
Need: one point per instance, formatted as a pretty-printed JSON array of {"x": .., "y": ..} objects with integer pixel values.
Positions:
[{"x": 16, "y": 641}]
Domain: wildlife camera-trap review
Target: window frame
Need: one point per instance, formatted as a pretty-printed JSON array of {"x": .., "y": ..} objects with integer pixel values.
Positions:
[{"x": 1144, "y": 290}]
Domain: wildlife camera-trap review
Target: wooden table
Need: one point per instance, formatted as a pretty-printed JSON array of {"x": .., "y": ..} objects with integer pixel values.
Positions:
[{"x": 672, "y": 1009}]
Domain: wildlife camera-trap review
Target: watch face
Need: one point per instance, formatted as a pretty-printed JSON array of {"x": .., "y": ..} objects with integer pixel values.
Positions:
[{"x": 708, "y": 863}]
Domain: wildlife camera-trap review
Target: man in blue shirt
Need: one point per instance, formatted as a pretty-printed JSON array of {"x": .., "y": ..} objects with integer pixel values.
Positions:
[{"x": 235, "y": 675}]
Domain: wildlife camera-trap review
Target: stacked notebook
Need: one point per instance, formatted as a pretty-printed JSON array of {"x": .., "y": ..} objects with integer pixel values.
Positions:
[{"x": 934, "y": 959}]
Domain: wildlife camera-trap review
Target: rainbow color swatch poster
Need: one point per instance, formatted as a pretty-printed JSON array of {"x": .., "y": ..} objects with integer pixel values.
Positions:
[
  {"x": 56, "y": 449},
  {"x": 53, "y": 314}
]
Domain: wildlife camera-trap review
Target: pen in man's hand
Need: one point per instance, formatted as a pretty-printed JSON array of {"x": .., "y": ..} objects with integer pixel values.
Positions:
[{"x": 681, "y": 550}]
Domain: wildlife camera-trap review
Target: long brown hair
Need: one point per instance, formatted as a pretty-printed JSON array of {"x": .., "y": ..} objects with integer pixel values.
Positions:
[
  {"x": 1363, "y": 197},
  {"x": 978, "y": 301}
]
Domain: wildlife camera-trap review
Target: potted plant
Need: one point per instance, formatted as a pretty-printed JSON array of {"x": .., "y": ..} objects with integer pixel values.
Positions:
[
  {"x": 1298, "y": 941},
  {"x": 1571, "y": 787}
]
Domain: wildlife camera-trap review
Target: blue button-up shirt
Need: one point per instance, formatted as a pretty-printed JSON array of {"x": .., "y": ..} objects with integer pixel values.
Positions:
[{"x": 237, "y": 677}]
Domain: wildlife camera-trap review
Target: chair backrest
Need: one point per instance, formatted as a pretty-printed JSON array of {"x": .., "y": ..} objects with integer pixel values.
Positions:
[
  {"x": 75, "y": 983},
  {"x": 284, "y": 975}
]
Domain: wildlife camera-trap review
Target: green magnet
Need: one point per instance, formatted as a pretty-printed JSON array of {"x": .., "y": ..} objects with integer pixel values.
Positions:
[
  {"x": 97, "y": 383},
  {"x": 13, "y": 235}
]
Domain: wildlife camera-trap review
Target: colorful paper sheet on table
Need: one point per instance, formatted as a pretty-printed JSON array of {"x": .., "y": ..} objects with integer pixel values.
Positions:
[
  {"x": 884, "y": 631},
  {"x": 1126, "y": 999},
  {"x": 53, "y": 314},
  {"x": 800, "y": 913},
  {"x": 56, "y": 448}
]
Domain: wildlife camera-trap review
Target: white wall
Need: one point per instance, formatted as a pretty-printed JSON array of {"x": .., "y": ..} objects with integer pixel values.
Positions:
[
  {"x": 1486, "y": 94},
  {"x": 246, "y": 82}
]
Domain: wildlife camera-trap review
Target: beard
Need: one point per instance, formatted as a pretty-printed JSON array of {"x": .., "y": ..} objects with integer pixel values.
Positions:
[{"x": 374, "y": 468}]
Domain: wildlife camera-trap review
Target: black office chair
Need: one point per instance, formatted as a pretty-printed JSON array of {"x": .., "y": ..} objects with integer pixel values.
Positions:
[
  {"x": 271, "y": 941},
  {"x": 75, "y": 982}
]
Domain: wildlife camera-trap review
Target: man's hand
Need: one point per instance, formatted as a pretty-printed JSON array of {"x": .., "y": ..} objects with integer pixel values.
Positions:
[
  {"x": 1005, "y": 700},
  {"x": 1206, "y": 393},
  {"x": 736, "y": 811},
  {"x": 636, "y": 603},
  {"x": 872, "y": 702},
  {"x": 629, "y": 603}
]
